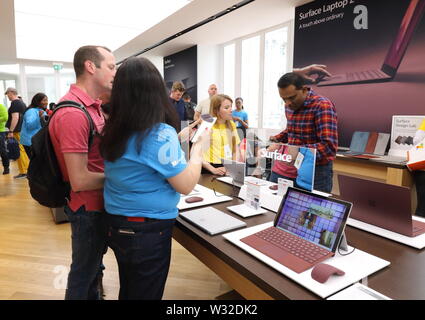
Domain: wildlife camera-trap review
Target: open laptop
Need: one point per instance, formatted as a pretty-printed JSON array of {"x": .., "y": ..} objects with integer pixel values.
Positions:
[
  {"x": 211, "y": 220},
  {"x": 236, "y": 170},
  {"x": 307, "y": 230},
  {"x": 394, "y": 56},
  {"x": 380, "y": 204}
]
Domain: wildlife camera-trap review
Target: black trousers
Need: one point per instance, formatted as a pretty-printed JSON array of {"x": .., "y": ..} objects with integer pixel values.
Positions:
[
  {"x": 3, "y": 152},
  {"x": 419, "y": 177}
]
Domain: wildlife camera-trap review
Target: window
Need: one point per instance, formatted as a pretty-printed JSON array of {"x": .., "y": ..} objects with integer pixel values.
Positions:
[
  {"x": 40, "y": 79},
  {"x": 275, "y": 65},
  {"x": 252, "y": 67},
  {"x": 250, "y": 78},
  {"x": 229, "y": 70}
]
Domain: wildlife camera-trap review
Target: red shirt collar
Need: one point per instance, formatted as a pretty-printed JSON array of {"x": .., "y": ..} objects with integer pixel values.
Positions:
[{"x": 84, "y": 97}]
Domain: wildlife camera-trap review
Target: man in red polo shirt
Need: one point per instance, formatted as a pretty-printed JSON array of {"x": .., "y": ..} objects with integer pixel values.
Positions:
[{"x": 82, "y": 165}]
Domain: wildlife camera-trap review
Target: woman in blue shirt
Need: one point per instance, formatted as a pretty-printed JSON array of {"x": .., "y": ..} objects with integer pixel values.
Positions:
[
  {"x": 240, "y": 117},
  {"x": 32, "y": 120},
  {"x": 145, "y": 172}
]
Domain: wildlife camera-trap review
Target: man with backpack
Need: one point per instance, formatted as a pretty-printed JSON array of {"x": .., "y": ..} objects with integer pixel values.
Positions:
[{"x": 82, "y": 165}]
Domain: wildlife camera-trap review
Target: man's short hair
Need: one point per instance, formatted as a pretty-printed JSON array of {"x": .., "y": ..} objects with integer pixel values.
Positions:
[
  {"x": 178, "y": 86},
  {"x": 291, "y": 78},
  {"x": 85, "y": 53},
  {"x": 10, "y": 89}
]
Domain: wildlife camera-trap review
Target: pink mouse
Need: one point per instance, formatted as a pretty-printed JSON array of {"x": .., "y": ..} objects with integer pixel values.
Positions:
[{"x": 322, "y": 271}]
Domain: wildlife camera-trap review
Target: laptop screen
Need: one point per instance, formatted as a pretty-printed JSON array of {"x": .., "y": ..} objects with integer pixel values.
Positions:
[
  {"x": 315, "y": 218},
  {"x": 410, "y": 20}
]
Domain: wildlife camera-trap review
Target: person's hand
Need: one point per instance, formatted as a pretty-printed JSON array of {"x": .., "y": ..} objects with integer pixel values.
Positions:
[
  {"x": 40, "y": 113},
  {"x": 314, "y": 69},
  {"x": 188, "y": 132},
  {"x": 10, "y": 134},
  {"x": 273, "y": 147},
  {"x": 221, "y": 171},
  {"x": 236, "y": 119},
  {"x": 273, "y": 139}
]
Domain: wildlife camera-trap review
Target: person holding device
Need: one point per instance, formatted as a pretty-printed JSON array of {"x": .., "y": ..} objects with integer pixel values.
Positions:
[
  {"x": 240, "y": 117},
  {"x": 145, "y": 170},
  {"x": 224, "y": 136}
]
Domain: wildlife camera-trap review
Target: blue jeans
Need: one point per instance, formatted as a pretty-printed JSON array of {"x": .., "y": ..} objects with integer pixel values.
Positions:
[
  {"x": 143, "y": 253},
  {"x": 323, "y": 177},
  {"x": 88, "y": 246}
]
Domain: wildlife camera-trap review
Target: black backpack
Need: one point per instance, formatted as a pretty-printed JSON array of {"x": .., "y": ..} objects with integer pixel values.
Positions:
[{"x": 44, "y": 175}]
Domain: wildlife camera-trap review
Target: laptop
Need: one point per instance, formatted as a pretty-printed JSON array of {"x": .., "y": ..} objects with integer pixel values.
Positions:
[
  {"x": 394, "y": 56},
  {"x": 211, "y": 220},
  {"x": 306, "y": 231},
  {"x": 236, "y": 170},
  {"x": 380, "y": 204}
]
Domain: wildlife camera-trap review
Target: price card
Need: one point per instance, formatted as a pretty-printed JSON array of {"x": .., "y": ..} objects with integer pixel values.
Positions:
[
  {"x": 283, "y": 185},
  {"x": 299, "y": 160},
  {"x": 253, "y": 195}
]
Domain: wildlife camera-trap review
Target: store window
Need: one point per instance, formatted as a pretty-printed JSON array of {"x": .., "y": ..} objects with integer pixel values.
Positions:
[
  {"x": 40, "y": 79},
  {"x": 229, "y": 70},
  {"x": 275, "y": 65},
  {"x": 250, "y": 76},
  {"x": 252, "y": 67}
]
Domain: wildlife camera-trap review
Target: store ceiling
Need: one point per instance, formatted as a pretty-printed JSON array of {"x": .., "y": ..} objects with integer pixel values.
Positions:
[{"x": 257, "y": 15}]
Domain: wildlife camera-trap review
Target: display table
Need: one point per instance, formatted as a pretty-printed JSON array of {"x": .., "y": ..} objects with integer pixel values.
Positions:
[
  {"x": 253, "y": 279},
  {"x": 391, "y": 173}
]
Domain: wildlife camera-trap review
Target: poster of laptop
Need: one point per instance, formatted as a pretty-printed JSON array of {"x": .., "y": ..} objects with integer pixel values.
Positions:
[
  {"x": 379, "y": 44},
  {"x": 271, "y": 161},
  {"x": 394, "y": 56}
]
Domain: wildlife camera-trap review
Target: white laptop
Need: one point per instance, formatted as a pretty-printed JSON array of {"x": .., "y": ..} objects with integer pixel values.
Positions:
[{"x": 211, "y": 220}]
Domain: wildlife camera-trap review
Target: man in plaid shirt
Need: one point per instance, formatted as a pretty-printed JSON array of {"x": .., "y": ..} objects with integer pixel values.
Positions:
[{"x": 312, "y": 123}]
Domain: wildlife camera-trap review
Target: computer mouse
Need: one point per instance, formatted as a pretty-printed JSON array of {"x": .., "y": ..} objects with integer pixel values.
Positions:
[
  {"x": 194, "y": 199},
  {"x": 322, "y": 271},
  {"x": 275, "y": 187}
]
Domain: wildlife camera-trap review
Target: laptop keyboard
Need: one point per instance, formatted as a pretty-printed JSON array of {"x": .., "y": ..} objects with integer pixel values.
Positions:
[
  {"x": 298, "y": 247},
  {"x": 366, "y": 75}
]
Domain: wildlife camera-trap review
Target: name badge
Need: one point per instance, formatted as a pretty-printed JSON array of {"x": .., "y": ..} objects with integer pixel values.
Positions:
[{"x": 227, "y": 152}]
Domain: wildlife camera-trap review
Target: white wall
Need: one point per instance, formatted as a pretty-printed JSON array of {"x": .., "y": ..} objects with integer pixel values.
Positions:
[
  {"x": 158, "y": 62},
  {"x": 208, "y": 69}
]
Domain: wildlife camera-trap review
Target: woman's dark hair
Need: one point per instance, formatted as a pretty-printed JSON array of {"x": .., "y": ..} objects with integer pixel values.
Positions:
[
  {"x": 139, "y": 101},
  {"x": 239, "y": 98},
  {"x": 36, "y": 100}
]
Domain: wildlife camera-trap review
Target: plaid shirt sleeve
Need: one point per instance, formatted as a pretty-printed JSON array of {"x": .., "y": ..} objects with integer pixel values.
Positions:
[
  {"x": 327, "y": 132},
  {"x": 282, "y": 137}
]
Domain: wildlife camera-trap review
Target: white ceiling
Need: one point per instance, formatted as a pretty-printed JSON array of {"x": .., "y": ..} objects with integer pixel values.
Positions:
[{"x": 253, "y": 17}]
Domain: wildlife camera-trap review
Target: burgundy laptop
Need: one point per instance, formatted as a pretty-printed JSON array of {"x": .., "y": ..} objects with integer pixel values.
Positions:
[
  {"x": 380, "y": 204},
  {"x": 306, "y": 231}
]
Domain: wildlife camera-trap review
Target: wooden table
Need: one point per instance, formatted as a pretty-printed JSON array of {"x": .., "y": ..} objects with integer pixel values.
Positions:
[
  {"x": 251, "y": 278},
  {"x": 394, "y": 174}
]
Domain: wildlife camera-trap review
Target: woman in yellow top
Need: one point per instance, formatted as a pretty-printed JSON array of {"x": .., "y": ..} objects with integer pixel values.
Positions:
[{"x": 224, "y": 136}]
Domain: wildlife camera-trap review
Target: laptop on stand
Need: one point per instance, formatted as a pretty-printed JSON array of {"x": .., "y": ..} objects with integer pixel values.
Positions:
[
  {"x": 380, "y": 204},
  {"x": 306, "y": 231},
  {"x": 236, "y": 170},
  {"x": 394, "y": 56}
]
